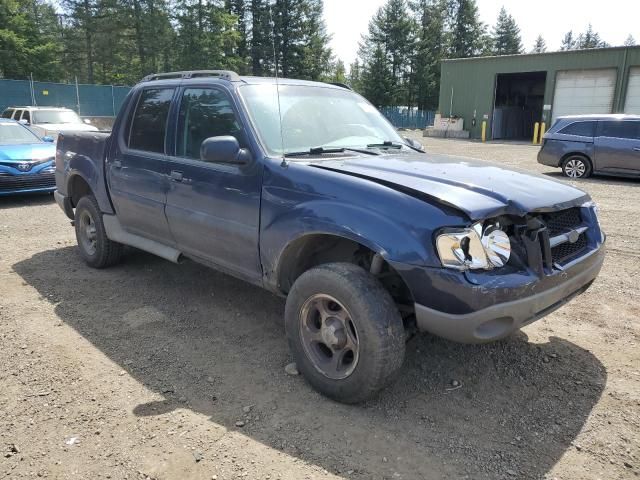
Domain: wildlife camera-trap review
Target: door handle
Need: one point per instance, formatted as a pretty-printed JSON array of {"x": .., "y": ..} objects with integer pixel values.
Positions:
[
  {"x": 636, "y": 149},
  {"x": 117, "y": 164},
  {"x": 176, "y": 176}
]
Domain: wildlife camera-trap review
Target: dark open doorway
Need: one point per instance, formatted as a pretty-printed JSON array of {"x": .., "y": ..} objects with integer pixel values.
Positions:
[{"x": 518, "y": 104}]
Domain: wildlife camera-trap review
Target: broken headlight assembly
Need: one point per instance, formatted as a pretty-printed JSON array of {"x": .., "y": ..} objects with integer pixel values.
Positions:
[{"x": 481, "y": 247}]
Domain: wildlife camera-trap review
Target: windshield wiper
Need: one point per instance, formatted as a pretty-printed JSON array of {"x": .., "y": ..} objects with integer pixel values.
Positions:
[
  {"x": 328, "y": 151},
  {"x": 386, "y": 144}
]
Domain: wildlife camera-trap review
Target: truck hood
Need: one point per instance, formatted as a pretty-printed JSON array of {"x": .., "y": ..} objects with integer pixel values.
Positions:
[
  {"x": 53, "y": 129},
  {"x": 479, "y": 189}
]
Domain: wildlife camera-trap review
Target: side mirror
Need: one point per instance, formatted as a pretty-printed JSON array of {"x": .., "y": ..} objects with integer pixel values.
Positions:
[
  {"x": 414, "y": 143},
  {"x": 24, "y": 121},
  {"x": 87, "y": 121},
  {"x": 48, "y": 139},
  {"x": 224, "y": 150}
]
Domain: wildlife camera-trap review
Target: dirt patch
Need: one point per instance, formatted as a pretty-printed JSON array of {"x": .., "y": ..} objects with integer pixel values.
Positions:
[{"x": 166, "y": 371}]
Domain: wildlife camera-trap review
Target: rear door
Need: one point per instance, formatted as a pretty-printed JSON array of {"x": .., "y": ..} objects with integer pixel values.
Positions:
[
  {"x": 137, "y": 171},
  {"x": 213, "y": 209},
  {"x": 618, "y": 146}
]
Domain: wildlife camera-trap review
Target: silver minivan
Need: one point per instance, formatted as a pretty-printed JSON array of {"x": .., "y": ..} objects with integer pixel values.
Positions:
[{"x": 583, "y": 145}]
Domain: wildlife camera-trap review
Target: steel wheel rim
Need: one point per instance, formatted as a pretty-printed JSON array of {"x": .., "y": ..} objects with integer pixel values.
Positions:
[
  {"x": 575, "y": 168},
  {"x": 88, "y": 234},
  {"x": 329, "y": 336}
]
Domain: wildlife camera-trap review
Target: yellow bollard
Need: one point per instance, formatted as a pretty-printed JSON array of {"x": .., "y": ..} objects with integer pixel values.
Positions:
[
  {"x": 543, "y": 128},
  {"x": 484, "y": 131},
  {"x": 536, "y": 129}
]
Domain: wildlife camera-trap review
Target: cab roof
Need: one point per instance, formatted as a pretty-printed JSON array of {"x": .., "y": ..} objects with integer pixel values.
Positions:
[{"x": 229, "y": 76}]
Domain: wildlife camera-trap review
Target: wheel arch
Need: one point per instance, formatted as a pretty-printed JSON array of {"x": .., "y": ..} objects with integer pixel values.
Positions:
[
  {"x": 576, "y": 153},
  {"x": 310, "y": 250},
  {"x": 78, "y": 187}
]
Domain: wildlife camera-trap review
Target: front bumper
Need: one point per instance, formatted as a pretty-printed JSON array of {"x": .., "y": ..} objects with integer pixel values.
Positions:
[
  {"x": 38, "y": 182},
  {"x": 499, "y": 320}
]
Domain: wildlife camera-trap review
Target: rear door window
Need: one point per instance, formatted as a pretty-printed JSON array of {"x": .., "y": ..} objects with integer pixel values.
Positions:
[
  {"x": 149, "y": 121},
  {"x": 582, "y": 129},
  {"x": 17, "y": 114},
  {"x": 621, "y": 129}
]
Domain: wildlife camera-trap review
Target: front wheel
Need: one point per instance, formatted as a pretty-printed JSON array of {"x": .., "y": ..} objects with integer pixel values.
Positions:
[
  {"x": 345, "y": 332},
  {"x": 576, "y": 166},
  {"x": 95, "y": 247}
]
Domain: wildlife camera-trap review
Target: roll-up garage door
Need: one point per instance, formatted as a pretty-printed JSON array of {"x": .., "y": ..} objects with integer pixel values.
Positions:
[
  {"x": 632, "y": 104},
  {"x": 580, "y": 92}
]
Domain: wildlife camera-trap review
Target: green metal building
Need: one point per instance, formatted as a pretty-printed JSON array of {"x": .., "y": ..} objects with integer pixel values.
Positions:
[{"x": 513, "y": 92}]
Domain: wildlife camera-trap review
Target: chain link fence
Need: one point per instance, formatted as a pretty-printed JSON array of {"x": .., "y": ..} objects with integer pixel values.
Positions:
[
  {"x": 410, "y": 118},
  {"x": 87, "y": 100}
]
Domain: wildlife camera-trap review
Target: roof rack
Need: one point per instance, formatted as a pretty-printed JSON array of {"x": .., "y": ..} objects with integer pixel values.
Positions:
[
  {"x": 339, "y": 84},
  {"x": 223, "y": 74}
]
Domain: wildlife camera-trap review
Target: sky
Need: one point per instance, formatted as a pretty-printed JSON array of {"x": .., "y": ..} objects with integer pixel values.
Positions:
[{"x": 347, "y": 20}]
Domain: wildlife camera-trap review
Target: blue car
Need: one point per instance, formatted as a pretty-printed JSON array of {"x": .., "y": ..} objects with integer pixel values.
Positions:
[{"x": 26, "y": 160}]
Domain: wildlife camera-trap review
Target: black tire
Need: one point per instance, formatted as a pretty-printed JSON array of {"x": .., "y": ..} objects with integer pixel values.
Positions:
[
  {"x": 376, "y": 325},
  {"x": 96, "y": 250},
  {"x": 577, "y": 166}
]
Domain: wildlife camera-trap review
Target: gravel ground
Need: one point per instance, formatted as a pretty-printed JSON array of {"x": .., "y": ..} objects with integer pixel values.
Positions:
[{"x": 154, "y": 370}]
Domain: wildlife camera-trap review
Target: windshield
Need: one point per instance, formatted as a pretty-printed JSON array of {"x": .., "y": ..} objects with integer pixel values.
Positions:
[
  {"x": 315, "y": 117},
  {"x": 13, "y": 134},
  {"x": 56, "y": 116}
]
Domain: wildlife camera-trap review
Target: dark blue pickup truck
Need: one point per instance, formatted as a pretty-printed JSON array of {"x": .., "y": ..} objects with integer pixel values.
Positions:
[{"x": 305, "y": 189}]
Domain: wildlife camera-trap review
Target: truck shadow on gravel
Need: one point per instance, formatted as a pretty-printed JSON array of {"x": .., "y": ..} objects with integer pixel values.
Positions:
[
  {"x": 23, "y": 200},
  {"x": 205, "y": 341}
]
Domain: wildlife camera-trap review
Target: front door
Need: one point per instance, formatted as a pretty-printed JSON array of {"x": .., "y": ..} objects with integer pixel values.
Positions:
[
  {"x": 137, "y": 171},
  {"x": 618, "y": 147},
  {"x": 213, "y": 209}
]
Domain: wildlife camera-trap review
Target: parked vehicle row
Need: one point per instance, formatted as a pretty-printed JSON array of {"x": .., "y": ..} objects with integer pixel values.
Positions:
[
  {"x": 49, "y": 121},
  {"x": 26, "y": 160},
  {"x": 584, "y": 145},
  {"x": 305, "y": 189}
]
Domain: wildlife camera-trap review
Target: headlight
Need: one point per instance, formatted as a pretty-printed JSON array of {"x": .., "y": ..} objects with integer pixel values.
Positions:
[{"x": 474, "y": 248}]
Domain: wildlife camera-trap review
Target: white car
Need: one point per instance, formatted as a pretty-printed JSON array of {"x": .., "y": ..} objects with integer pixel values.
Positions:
[{"x": 49, "y": 121}]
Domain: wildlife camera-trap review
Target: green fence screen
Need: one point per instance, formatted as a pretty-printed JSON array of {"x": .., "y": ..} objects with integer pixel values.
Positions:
[{"x": 94, "y": 100}]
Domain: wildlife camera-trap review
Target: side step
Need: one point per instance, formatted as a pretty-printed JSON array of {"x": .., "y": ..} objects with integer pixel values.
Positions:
[{"x": 116, "y": 233}]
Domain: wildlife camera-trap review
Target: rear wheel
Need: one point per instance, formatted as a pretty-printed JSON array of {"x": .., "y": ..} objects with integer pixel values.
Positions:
[
  {"x": 576, "y": 166},
  {"x": 345, "y": 332},
  {"x": 95, "y": 247}
]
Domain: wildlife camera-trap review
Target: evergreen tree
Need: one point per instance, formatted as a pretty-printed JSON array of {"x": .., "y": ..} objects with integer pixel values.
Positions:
[
  {"x": 377, "y": 80},
  {"x": 238, "y": 8},
  {"x": 391, "y": 34},
  {"x": 430, "y": 49},
  {"x": 568, "y": 42},
  {"x": 540, "y": 46},
  {"x": 506, "y": 35},
  {"x": 354, "y": 79},
  {"x": 205, "y": 31},
  {"x": 630, "y": 41},
  {"x": 590, "y": 39},
  {"x": 466, "y": 29},
  {"x": 29, "y": 40},
  {"x": 261, "y": 38},
  {"x": 301, "y": 39},
  {"x": 338, "y": 72}
]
